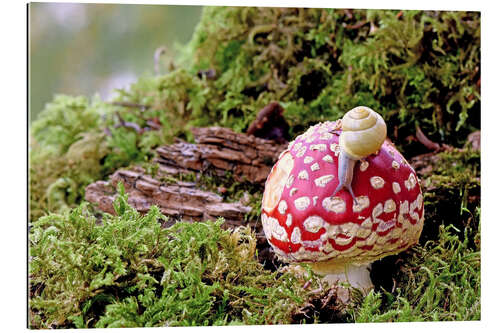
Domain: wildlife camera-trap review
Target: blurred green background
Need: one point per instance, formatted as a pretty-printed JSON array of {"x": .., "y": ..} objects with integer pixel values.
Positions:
[{"x": 84, "y": 49}]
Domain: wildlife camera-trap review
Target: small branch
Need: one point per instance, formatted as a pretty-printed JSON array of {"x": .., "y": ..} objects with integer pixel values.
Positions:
[
  {"x": 355, "y": 26},
  {"x": 425, "y": 141},
  {"x": 143, "y": 107}
]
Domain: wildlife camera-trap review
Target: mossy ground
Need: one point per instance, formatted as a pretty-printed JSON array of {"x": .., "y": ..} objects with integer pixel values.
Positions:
[{"x": 416, "y": 68}]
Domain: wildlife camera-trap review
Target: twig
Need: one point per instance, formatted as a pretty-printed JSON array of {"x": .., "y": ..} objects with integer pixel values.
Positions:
[
  {"x": 355, "y": 26},
  {"x": 425, "y": 141},
  {"x": 143, "y": 107}
]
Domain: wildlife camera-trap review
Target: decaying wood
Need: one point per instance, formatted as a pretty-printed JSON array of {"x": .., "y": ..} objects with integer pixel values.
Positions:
[
  {"x": 181, "y": 200},
  {"x": 218, "y": 150}
]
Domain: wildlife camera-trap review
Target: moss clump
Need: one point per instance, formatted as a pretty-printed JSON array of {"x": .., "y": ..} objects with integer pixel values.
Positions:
[
  {"x": 127, "y": 271},
  {"x": 66, "y": 153},
  {"x": 414, "y": 67},
  {"x": 438, "y": 281},
  {"x": 452, "y": 189}
]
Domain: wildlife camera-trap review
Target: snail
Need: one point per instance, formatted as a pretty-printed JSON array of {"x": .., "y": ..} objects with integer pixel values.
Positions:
[{"x": 363, "y": 133}]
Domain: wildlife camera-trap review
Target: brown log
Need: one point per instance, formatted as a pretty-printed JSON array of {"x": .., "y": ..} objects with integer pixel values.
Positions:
[
  {"x": 221, "y": 150},
  {"x": 179, "y": 201},
  {"x": 218, "y": 150}
]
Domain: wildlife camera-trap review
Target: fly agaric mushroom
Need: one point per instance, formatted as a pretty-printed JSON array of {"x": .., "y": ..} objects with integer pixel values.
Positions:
[{"x": 308, "y": 217}]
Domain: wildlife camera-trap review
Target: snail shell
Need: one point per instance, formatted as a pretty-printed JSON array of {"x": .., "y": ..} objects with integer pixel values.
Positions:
[{"x": 363, "y": 132}]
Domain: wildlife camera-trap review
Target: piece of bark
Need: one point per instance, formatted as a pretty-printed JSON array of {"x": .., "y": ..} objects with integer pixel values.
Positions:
[
  {"x": 179, "y": 201},
  {"x": 220, "y": 150},
  {"x": 270, "y": 124}
]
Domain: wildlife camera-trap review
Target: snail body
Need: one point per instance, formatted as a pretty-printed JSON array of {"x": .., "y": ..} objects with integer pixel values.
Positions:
[{"x": 363, "y": 133}]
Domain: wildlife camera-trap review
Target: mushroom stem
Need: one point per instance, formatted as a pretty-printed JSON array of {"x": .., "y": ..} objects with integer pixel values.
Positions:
[{"x": 356, "y": 275}]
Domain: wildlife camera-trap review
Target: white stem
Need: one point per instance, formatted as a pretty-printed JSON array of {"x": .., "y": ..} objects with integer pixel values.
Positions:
[{"x": 357, "y": 276}]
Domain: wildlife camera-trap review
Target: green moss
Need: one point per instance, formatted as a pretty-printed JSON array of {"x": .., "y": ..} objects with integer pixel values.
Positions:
[
  {"x": 452, "y": 190},
  {"x": 65, "y": 153},
  {"x": 127, "y": 271},
  {"x": 438, "y": 281},
  {"x": 320, "y": 63}
]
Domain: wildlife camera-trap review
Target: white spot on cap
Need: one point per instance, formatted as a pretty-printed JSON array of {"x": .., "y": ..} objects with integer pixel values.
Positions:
[
  {"x": 367, "y": 223},
  {"x": 318, "y": 146},
  {"x": 384, "y": 226},
  {"x": 308, "y": 159},
  {"x": 315, "y": 167},
  {"x": 301, "y": 151},
  {"x": 293, "y": 191},
  {"x": 282, "y": 207},
  {"x": 296, "y": 236},
  {"x": 326, "y": 136},
  {"x": 313, "y": 223},
  {"x": 323, "y": 180},
  {"x": 315, "y": 199},
  {"x": 377, "y": 210},
  {"x": 364, "y": 165},
  {"x": 335, "y": 148},
  {"x": 349, "y": 229},
  {"x": 289, "y": 181},
  {"x": 302, "y": 203},
  {"x": 389, "y": 206},
  {"x": 420, "y": 201},
  {"x": 395, "y": 164},
  {"x": 363, "y": 202},
  {"x": 413, "y": 205},
  {"x": 328, "y": 158},
  {"x": 365, "y": 228},
  {"x": 334, "y": 204},
  {"x": 343, "y": 241},
  {"x": 411, "y": 182},
  {"x": 310, "y": 138},
  {"x": 403, "y": 208},
  {"x": 303, "y": 175},
  {"x": 377, "y": 182},
  {"x": 396, "y": 188},
  {"x": 371, "y": 239},
  {"x": 363, "y": 233},
  {"x": 273, "y": 228},
  {"x": 328, "y": 247},
  {"x": 297, "y": 146},
  {"x": 415, "y": 216},
  {"x": 289, "y": 220}
]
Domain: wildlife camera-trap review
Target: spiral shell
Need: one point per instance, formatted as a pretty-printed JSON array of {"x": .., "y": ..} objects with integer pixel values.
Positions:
[{"x": 363, "y": 132}]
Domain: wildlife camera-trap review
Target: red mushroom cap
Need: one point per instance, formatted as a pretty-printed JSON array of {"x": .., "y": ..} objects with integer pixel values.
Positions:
[{"x": 303, "y": 222}]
